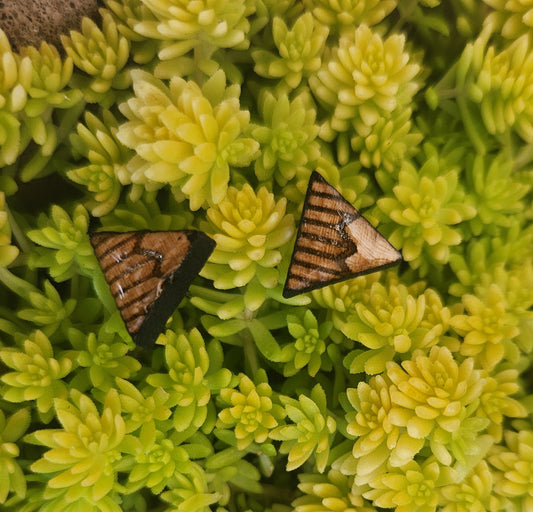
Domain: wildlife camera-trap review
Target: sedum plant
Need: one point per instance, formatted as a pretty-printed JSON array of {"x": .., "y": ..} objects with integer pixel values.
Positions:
[
  {"x": 404, "y": 390},
  {"x": 8, "y": 252},
  {"x": 12, "y": 429},
  {"x": 249, "y": 230},
  {"x": 299, "y": 49},
  {"x": 339, "y": 15},
  {"x": 37, "y": 375},
  {"x": 84, "y": 453},
  {"x": 101, "y": 54},
  {"x": 64, "y": 243},
  {"x": 250, "y": 414},
  {"x": 190, "y": 143},
  {"x": 309, "y": 344},
  {"x": 287, "y": 136},
  {"x": 365, "y": 78}
]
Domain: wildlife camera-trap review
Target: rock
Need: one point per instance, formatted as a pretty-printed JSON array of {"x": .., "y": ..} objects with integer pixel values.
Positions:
[{"x": 29, "y": 22}]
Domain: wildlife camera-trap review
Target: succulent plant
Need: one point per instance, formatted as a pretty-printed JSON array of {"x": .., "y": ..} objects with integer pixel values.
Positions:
[
  {"x": 365, "y": 78},
  {"x": 299, "y": 49},
  {"x": 249, "y": 228},
  {"x": 251, "y": 413},
  {"x": 64, "y": 243},
  {"x": 425, "y": 206},
  {"x": 83, "y": 454},
  {"x": 405, "y": 389},
  {"x": 190, "y": 143},
  {"x": 511, "y": 18},
  {"x": 341, "y": 15},
  {"x": 287, "y": 137},
  {"x": 35, "y": 373},
  {"x": 310, "y": 433},
  {"x": 101, "y": 54},
  {"x": 11, "y": 430}
]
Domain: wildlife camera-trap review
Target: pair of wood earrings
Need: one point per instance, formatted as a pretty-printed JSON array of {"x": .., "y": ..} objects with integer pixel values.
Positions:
[{"x": 149, "y": 272}]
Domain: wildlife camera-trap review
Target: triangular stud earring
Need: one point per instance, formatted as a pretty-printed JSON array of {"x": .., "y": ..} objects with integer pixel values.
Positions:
[
  {"x": 334, "y": 242},
  {"x": 149, "y": 273}
]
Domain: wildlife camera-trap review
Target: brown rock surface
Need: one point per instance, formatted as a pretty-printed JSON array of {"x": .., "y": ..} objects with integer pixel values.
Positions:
[{"x": 28, "y": 22}]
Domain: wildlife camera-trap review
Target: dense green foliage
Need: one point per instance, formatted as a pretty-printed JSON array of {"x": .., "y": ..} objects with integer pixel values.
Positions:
[{"x": 405, "y": 390}]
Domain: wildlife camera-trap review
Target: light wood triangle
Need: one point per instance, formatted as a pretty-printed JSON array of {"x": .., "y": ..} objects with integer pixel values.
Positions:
[
  {"x": 149, "y": 273},
  {"x": 334, "y": 242}
]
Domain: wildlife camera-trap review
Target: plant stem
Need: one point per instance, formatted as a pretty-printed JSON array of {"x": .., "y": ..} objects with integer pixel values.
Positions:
[
  {"x": 250, "y": 352},
  {"x": 17, "y": 285},
  {"x": 20, "y": 238}
]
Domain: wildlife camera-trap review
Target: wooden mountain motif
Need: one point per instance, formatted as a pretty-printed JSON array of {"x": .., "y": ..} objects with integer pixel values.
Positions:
[
  {"x": 334, "y": 242},
  {"x": 149, "y": 273}
]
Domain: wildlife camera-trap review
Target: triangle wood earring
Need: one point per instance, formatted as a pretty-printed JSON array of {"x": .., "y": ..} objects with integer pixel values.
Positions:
[
  {"x": 149, "y": 273},
  {"x": 334, "y": 242}
]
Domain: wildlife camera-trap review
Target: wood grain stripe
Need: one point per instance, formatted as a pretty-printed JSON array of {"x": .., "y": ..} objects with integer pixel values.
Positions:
[
  {"x": 135, "y": 269},
  {"x": 330, "y": 237}
]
